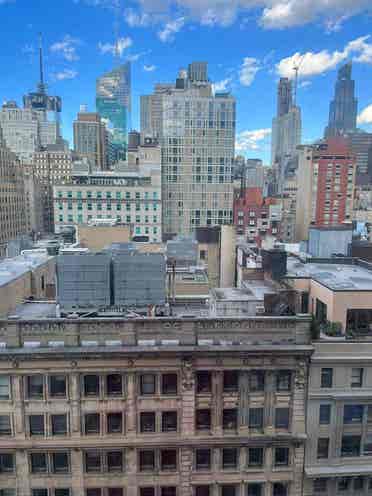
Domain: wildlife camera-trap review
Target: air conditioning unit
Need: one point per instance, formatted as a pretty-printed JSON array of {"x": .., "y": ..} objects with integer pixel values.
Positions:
[{"x": 260, "y": 310}]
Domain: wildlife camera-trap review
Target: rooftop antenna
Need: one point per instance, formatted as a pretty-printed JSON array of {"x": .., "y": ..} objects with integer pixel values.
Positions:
[
  {"x": 296, "y": 69},
  {"x": 41, "y": 84},
  {"x": 116, "y": 31}
]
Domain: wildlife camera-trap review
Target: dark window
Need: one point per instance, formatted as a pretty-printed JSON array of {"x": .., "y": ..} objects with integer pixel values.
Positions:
[
  {"x": 230, "y": 418},
  {"x": 255, "y": 457},
  {"x": 350, "y": 446},
  {"x": 358, "y": 483},
  {"x": 279, "y": 489},
  {"x": 326, "y": 378},
  {"x": 148, "y": 384},
  {"x": 57, "y": 386},
  {"x": 281, "y": 456},
  {"x": 321, "y": 311},
  {"x": 114, "y": 423},
  {"x": 59, "y": 425},
  {"x": 168, "y": 459},
  {"x": 202, "y": 490},
  {"x": 4, "y": 387},
  {"x": 353, "y": 414},
  {"x": 203, "y": 419},
  {"x": 6, "y": 462},
  {"x": 115, "y": 461},
  {"x": 228, "y": 490},
  {"x": 91, "y": 385},
  {"x": 114, "y": 385},
  {"x": 169, "y": 383},
  {"x": 168, "y": 491},
  {"x": 169, "y": 422},
  {"x": 93, "y": 491},
  {"x": 147, "y": 491},
  {"x": 92, "y": 423},
  {"x": 147, "y": 421},
  {"x": 356, "y": 377},
  {"x": 324, "y": 414},
  {"x": 93, "y": 461},
  {"x": 229, "y": 458},
  {"x": 36, "y": 425},
  {"x": 114, "y": 491},
  {"x": 323, "y": 447},
  {"x": 367, "y": 447},
  {"x": 320, "y": 485},
  {"x": 283, "y": 380},
  {"x": 254, "y": 489},
  {"x": 203, "y": 459},
  {"x": 61, "y": 492},
  {"x": 257, "y": 380},
  {"x": 343, "y": 484},
  {"x": 230, "y": 380},
  {"x": 256, "y": 418},
  {"x": 203, "y": 382},
  {"x": 38, "y": 463},
  {"x": 5, "y": 426},
  {"x": 60, "y": 463},
  {"x": 147, "y": 460},
  {"x": 282, "y": 418},
  {"x": 39, "y": 492},
  {"x": 35, "y": 387}
]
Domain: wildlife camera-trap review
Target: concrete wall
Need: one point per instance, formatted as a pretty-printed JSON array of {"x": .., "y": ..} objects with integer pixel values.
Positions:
[
  {"x": 227, "y": 256},
  {"x": 98, "y": 237}
]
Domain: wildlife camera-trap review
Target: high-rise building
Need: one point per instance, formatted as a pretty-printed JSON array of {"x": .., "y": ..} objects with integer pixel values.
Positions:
[
  {"x": 12, "y": 206},
  {"x": 254, "y": 173},
  {"x": 33, "y": 195},
  {"x": 90, "y": 138},
  {"x": 343, "y": 108},
  {"x": 197, "y": 134},
  {"x": 284, "y": 99},
  {"x": 325, "y": 185},
  {"x": 198, "y": 72},
  {"x": 113, "y": 103},
  {"x": 361, "y": 146}
]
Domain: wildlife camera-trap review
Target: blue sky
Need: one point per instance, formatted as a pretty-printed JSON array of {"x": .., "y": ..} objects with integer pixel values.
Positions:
[{"x": 247, "y": 43}]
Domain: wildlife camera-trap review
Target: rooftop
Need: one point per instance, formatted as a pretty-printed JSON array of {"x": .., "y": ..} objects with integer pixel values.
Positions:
[
  {"x": 252, "y": 290},
  {"x": 13, "y": 268}
]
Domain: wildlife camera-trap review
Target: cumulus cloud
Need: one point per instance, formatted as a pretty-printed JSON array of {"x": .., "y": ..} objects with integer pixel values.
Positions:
[
  {"x": 119, "y": 47},
  {"x": 251, "y": 140},
  {"x": 248, "y": 70},
  {"x": 221, "y": 86},
  {"x": 65, "y": 74},
  {"x": 66, "y": 47},
  {"x": 365, "y": 117},
  {"x": 170, "y": 29},
  {"x": 149, "y": 68},
  {"x": 136, "y": 19}
]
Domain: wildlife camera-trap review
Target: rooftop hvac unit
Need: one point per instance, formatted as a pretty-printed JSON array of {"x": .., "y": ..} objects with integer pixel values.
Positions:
[{"x": 260, "y": 310}]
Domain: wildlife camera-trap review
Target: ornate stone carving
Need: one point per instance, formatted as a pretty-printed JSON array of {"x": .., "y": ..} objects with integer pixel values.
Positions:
[
  {"x": 300, "y": 378},
  {"x": 188, "y": 378}
]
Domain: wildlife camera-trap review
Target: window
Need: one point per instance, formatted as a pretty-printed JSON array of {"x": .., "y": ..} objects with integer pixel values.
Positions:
[
  {"x": 92, "y": 461},
  {"x": 114, "y": 461},
  {"x": 282, "y": 418},
  {"x": 323, "y": 447},
  {"x": 61, "y": 492},
  {"x": 4, "y": 387},
  {"x": 228, "y": 490},
  {"x": 91, "y": 422},
  {"x": 60, "y": 463},
  {"x": 202, "y": 490},
  {"x": 147, "y": 460},
  {"x": 168, "y": 491},
  {"x": 203, "y": 419},
  {"x": 147, "y": 421},
  {"x": 230, "y": 418},
  {"x": 257, "y": 380},
  {"x": 114, "y": 385},
  {"x": 114, "y": 491},
  {"x": 343, "y": 484},
  {"x": 147, "y": 491},
  {"x": 59, "y": 424},
  {"x": 39, "y": 492},
  {"x": 93, "y": 491},
  {"x": 358, "y": 483},
  {"x": 38, "y": 463},
  {"x": 353, "y": 414},
  {"x": 203, "y": 382},
  {"x": 35, "y": 387},
  {"x": 356, "y": 377},
  {"x": 283, "y": 380},
  {"x": 6, "y": 462},
  {"x": 114, "y": 423},
  {"x": 255, "y": 457},
  {"x": 367, "y": 448},
  {"x": 326, "y": 378},
  {"x": 324, "y": 414},
  {"x": 5, "y": 426},
  {"x": 255, "y": 420},
  {"x": 254, "y": 489},
  {"x": 169, "y": 422},
  {"x": 168, "y": 459},
  {"x": 320, "y": 486},
  {"x": 280, "y": 489},
  {"x": 36, "y": 423},
  {"x": 57, "y": 386},
  {"x": 350, "y": 446},
  {"x": 203, "y": 459},
  {"x": 229, "y": 458},
  {"x": 91, "y": 385},
  {"x": 148, "y": 383},
  {"x": 230, "y": 381},
  {"x": 169, "y": 383},
  {"x": 281, "y": 456}
]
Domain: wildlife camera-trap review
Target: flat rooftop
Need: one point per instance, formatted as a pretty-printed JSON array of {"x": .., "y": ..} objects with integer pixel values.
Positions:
[
  {"x": 252, "y": 290},
  {"x": 335, "y": 276},
  {"x": 13, "y": 268}
]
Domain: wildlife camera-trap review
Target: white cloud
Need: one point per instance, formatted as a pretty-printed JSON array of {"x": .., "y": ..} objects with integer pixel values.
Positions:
[
  {"x": 66, "y": 47},
  {"x": 248, "y": 70},
  {"x": 136, "y": 19},
  {"x": 65, "y": 74},
  {"x": 365, "y": 117},
  {"x": 251, "y": 140},
  {"x": 304, "y": 84},
  {"x": 170, "y": 29},
  {"x": 149, "y": 68},
  {"x": 119, "y": 47},
  {"x": 221, "y": 86}
]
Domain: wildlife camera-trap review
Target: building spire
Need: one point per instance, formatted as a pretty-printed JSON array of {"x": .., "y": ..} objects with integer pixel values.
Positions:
[{"x": 41, "y": 81}]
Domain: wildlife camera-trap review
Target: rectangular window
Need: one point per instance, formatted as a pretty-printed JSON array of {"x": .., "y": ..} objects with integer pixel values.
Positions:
[
  {"x": 203, "y": 490},
  {"x": 257, "y": 380},
  {"x": 93, "y": 491},
  {"x": 230, "y": 381},
  {"x": 367, "y": 448},
  {"x": 281, "y": 457},
  {"x": 59, "y": 424},
  {"x": 36, "y": 423},
  {"x": 356, "y": 377},
  {"x": 4, "y": 387},
  {"x": 203, "y": 382},
  {"x": 168, "y": 491},
  {"x": 147, "y": 460},
  {"x": 353, "y": 414},
  {"x": 324, "y": 414},
  {"x": 343, "y": 483},
  {"x": 57, "y": 386},
  {"x": 114, "y": 385},
  {"x": 230, "y": 418},
  {"x": 92, "y": 461},
  {"x": 283, "y": 380},
  {"x": 203, "y": 459},
  {"x": 169, "y": 422},
  {"x": 323, "y": 448},
  {"x": 203, "y": 419},
  {"x": 62, "y": 492},
  {"x": 229, "y": 458},
  {"x": 326, "y": 378},
  {"x": 147, "y": 421},
  {"x": 39, "y": 492},
  {"x": 147, "y": 491},
  {"x": 358, "y": 483},
  {"x": 5, "y": 425},
  {"x": 38, "y": 462},
  {"x": 6, "y": 462},
  {"x": 255, "y": 418},
  {"x": 115, "y": 423},
  {"x": 320, "y": 486},
  {"x": 280, "y": 489},
  {"x": 35, "y": 387},
  {"x": 92, "y": 423},
  {"x": 169, "y": 383},
  {"x": 114, "y": 461},
  {"x": 91, "y": 385},
  {"x": 350, "y": 446},
  {"x": 255, "y": 457},
  {"x": 168, "y": 459},
  {"x": 255, "y": 489},
  {"x": 282, "y": 418},
  {"x": 148, "y": 384},
  {"x": 228, "y": 490},
  {"x": 60, "y": 463}
]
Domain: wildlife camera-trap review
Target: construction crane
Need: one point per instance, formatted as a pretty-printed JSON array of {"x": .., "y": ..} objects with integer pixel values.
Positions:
[{"x": 296, "y": 68}]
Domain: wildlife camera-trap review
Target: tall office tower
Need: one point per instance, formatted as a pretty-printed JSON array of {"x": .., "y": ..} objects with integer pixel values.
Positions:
[
  {"x": 325, "y": 185},
  {"x": 151, "y": 111},
  {"x": 12, "y": 206},
  {"x": 360, "y": 144},
  {"x": 198, "y": 72},
  {"x": 254, "y": 173},
  {"x": 113, "y": 103},
  {"x": 197, "y": 135},
  {"x": 343, "y": 108},
  {"x": 286, "y": 131},
  {"x": 33, "y": 196},
  {"x": 90, "y": 138}
]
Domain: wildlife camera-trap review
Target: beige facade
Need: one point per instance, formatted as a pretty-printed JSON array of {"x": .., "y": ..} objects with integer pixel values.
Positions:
[
  {"x": 33, "y": 200},
  {"x": 98, "y": 237}
]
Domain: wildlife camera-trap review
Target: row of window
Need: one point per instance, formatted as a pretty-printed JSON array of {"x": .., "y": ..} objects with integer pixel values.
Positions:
[
  {"x": 118, "y": 195},
  {"x": 351, "y": 445},
  {"x": 353, "y": 414},
  {"x": 356, "y": 377},
  {"x": 358, "y": 484},
  {"x": 107, "y": 206}
]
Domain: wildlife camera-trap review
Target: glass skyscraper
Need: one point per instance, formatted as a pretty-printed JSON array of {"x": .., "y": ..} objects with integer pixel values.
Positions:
[{"x": 113, "y": 97}]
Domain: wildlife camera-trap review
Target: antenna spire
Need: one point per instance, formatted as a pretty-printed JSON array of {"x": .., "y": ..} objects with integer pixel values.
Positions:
[{"x": 41, "y": 82}]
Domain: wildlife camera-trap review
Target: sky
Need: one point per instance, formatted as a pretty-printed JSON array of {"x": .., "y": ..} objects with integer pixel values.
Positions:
[{"x": 248, "y": 45}]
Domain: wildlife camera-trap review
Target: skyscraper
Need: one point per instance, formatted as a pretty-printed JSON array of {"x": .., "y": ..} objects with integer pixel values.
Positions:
[
  {"x": 197, "y": 134},
  {"x": 343, "y": 108},
  {"x": 113, "y": 103},
  {"x": 284, "y": 101},
  {"x": 90, "y": 138}
]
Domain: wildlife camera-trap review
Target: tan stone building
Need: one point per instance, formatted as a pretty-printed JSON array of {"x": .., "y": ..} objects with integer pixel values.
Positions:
[{"x": 113, "y": 407}]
